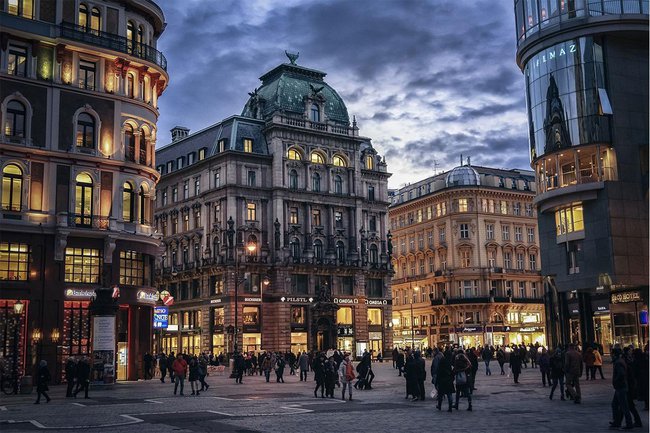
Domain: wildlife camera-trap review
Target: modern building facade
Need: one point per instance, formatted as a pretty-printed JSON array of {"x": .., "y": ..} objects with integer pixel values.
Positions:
[
  {"x": 274, "y": 225},
  {"x": 466, "y": 259},
  {"x": 586, "y": 71},
  {"x": 79, "y": 83}
]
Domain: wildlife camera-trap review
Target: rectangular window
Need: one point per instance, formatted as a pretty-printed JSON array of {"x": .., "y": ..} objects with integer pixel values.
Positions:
[
  {"x": 251, "y": 212},
  {"x": 375, "y": 288},
  {"x": 82, "y": 265},
  {"x": 218, "y": 316},
  {"x": 222, "y": 145},
  {"x": 429, "y": 212},
  {"x": 316, "y": 217},
  {"x": 202, "y": 154},
  {"x": 186, "y": 189},
  {"x": 344, "y": 316},
  {"x": 442, "y": 234},
  {"x": 251, "y": 178},
  {"x": 134, "y": 269},
  {"x": 462, "y": 205},
  {"x": 522, "y": 289},
  {"x": 197, "y": 218},
  {"x": 197, "y": 186},
  {"x": 516, "y": 208},
  {"x": 174, "y": 225},
  {"x": 431, "y": 264},
  {"x": 293, "y": 215},
  {"x": 532, "y": 262},
  {"x": 300, "y": 284},
  {"x": 518, "y": 234},
  {"x": 574, "y": 249},
  {"x": 430, "y": 238},
  {"x": 216, "y": 284},
  {"x": 298, "y": 315},
  {"x": 251, "y": 316},
  {"x": 248, "y": 145},
  {"x": 17, "y": 61},
  {"x": 371, "y": 193},
  {"x": 217, "y": 178},
  {"x": 465, "y": 259},
  {"x": 87, "y": 72},
  {"x": 418, "y": 217},
  {"x": 509, "y": 289},
  {"x": 372, "y": 223},
  {"x": 531, "y": 234},
  {"x": 492, "y": 258},
  {"x": 505, "y": 232},
  {"x": 421, "y": 266},
  {"x": 489, "y": 231},
  {"x": 569, "y": 220},
  {"x": 14, "y": 261},
  {"x": 504, "y": 207},
  {"x": 529, "y": 210},
  {"x": 338, "y": 219},
  {"x": 507, "y": 260},
  {"x": 464, "y": 231},
  {"x": 175, "y": 194},
  {"x": 375, "y": 316},
  {"x": 347, "y": 286},
  {"x": 186, "y": 222},
  {"x": 520, "y": 261}
]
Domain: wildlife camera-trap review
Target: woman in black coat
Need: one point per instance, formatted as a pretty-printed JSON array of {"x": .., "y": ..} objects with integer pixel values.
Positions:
[
  {"x": 42, "y": 378},
  {"x": 445, "y": 382},
  {"x": 515, "y": 364}
]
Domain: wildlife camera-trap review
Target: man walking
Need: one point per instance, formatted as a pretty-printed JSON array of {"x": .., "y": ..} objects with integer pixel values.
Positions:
[
  {"x": 487, "y": 355},
  {"x": 620, "y": 407},
  {"x": 179, "y": 367},
  {"x": 420, "y": 376},
  {"x": 303, "y": 362},
  {"x": 162, "y": 362},
  {"x": 572, "y": 369},
  {"x": 83, "y": 377},
  {"x": 70, "y": 373},
  {"x": 148, "y": 365},
  {"x": 346, "y": 372}
]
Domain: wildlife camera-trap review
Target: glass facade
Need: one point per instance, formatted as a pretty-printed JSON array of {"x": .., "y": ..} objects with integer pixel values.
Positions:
[{"x": 565, "y": 88}]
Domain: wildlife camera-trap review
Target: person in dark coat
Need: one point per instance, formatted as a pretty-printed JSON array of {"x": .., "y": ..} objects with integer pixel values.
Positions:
[
  {"x": 303, "y": 363},
  {"x": 462, "y": 366},
  {"x": 501, "y": 359},
  {"x": 445, "y": 382},
  {"x": 620, "y": 407},
  {"x": 632, "y": 384},
  {"x": 70, "y": 375},
  {"x": 409, "y": 375},
  {"x": 395, "y": 353},
  {"x": 318, "y": 366},
  {"x": 83, "y": 376},
  {"x": 420, "y": 374},
  {"x": 556, "y": 367},
  {"x": 148, "y": 366},
  {"x": 640, "y": 371},
  {"x": 240, "y": 366},
  {"x": 331, "y": 374},
  {"x": 400, "y": 362},
  {"x": 544, "y": 367},
  {"x": 162, "y": 362},
  {"x": 515, "y": 364},
  {"x": 43, "y": 377},
  {"x": 280, "y": 363},
  {"x": 473, "y": 359},
  {"x": 170, "y": 362}
]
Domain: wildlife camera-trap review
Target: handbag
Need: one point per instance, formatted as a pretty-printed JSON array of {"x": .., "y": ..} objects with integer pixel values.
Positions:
[{"x": 461, "y": 378}]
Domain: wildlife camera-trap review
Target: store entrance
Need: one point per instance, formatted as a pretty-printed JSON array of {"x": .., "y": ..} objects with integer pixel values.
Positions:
[{"x": 122, "y": 360}]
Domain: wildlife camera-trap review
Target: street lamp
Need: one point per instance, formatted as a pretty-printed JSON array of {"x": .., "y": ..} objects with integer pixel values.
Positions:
[
  {"x": 250, "y": 247},
  {"x": 18, "y": 312},
  {"x": 415, "y": 290}
]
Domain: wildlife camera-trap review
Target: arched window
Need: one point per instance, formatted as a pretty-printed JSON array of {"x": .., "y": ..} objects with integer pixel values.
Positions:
[
  {"x": 85, "y": 131},
  {"x": 144, "y": 206},
  {"x": 130, "y": 36},
  {"x": 340, "y": 252},
  {"x": 315, "y": 113},
  {"x": 497, "y": 318},
  {"x": 338, "y": 184},
  {"x": 315, "y": 182},
  {"x": 84, "y": 21},
  {"x": 15, "y": 119},
  {"x": 373, "y": 254},
  {"x": 293, "y": 179},
  {"x": 12, "y": 188},
  {"x": 129, "y": 143},
  {"x": 144, "y": 146},
  {"x": 128, "y": 202},
  {"x": 83, "y": 203},
  {"x": 130, "y": 85},
  {"x": 295, "y": 248},
  {"x": 140, "y": 34},
  {"x": 317, "y": 158},
  {"x": 338, "y": 161},
  {"x": 95, "y": 21},
  {"x": 370, "y": 162},
  {"x": 294, "y": 155},
  {"x": 318, "y": 249}
]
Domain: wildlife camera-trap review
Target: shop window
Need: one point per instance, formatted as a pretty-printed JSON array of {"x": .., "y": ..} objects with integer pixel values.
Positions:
[
  {"x": 82, "y": 265},
  {"x": 12, "y": 188},
  {"x": 251, "y": 316},
  {"x": 75, "y": 335},
  {"x": 530, "y": 318},
  {"x": 375, "y": 316},
  {"x": 14, "y": 261},
  {"x": 298, "y": 315},
  {"x": 134, "y": 269},
  {"x": 344, "y": 316},
  {"x": 218, "y": 316}
]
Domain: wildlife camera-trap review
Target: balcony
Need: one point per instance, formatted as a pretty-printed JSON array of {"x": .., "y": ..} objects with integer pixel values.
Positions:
[
  {"x": 112, "y": 42},
  {"x": 317, "y": 126},
  {"x": 88, "y": 222}
]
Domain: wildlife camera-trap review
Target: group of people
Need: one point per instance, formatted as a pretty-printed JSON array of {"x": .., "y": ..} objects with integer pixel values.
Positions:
[
  {"x": 77, "y": 372},
  {"x": 180, "y": 367}
]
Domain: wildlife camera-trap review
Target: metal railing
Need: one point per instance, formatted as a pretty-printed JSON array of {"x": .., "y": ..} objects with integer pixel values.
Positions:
[
  {"x": 88, "y": 221},
  {"x": 112, "y": 42},
  {"x": 317, "y": 126}
]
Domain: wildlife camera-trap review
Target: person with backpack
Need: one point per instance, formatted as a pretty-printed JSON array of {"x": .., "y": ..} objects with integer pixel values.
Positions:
[
  {"x": 280, "y": 363},
  {"x": 347, "y": 376},
  {"x": 462, "y": 371}
]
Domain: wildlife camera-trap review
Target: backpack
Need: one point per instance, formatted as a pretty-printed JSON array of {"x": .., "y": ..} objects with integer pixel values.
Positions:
[{"x": 349, "y": 372}]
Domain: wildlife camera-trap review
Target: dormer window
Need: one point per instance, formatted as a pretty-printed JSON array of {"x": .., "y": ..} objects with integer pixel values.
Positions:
[
  {"x": 248, "y": 145},
  {"x": 370, "y": 162},
  {"x": 315, "y": 113}
]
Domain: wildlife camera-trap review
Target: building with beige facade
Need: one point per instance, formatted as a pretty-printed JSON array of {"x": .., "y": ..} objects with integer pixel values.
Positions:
[{"x": 466, "y": 260}]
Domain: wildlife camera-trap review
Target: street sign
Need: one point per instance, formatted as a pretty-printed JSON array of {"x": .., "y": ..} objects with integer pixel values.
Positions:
[{"x": 160, "y": 317}]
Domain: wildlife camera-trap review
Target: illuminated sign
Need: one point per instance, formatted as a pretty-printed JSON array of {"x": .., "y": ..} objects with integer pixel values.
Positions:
[
  {"x": 557, "y": 51},
  {"x": 620, "y": 298},
  {"x": 147, "y": 296},
  {"x": 79, "y": 293},
  {"x": 376, "y": 302},
  {"x": 215, "y": 301},
  {"x": 346, "y": 301},
  {"x": 252, "y": 299},
  {"x": 160, "y": 317},
  {"x": 294, "y": 300}
]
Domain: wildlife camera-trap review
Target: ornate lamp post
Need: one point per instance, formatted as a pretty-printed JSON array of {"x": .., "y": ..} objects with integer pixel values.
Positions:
[
  {"x": 415, "y": 290},
  {"x": 18, "y": 312}
]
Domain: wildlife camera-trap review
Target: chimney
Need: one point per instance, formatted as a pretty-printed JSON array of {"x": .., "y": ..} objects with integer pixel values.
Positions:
[{"x": 179, "y": 132}]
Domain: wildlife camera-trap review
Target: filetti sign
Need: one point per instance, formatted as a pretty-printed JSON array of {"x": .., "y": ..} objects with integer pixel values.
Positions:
[{"x": 160, "y": 317}]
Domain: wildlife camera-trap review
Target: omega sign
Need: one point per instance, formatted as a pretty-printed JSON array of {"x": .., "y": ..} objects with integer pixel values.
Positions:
[
  {"x": 619, "y": 298},
  {"x": 346, "y": 301}
]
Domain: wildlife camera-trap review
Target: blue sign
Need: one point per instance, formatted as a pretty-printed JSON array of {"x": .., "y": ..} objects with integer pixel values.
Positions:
[{"x": 160, "y": 317}]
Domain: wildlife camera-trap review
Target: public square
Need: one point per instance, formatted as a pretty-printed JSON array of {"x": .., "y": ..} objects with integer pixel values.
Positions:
[{"x": 257, "y": 406}]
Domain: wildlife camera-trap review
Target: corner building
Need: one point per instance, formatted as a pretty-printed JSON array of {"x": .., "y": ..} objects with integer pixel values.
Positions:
[
  {"x": 466, "y": 260},
  {"x": 586, "y": 71},
  {"x": 266, "y": 213},
  {"x": 79, "y": 84}
]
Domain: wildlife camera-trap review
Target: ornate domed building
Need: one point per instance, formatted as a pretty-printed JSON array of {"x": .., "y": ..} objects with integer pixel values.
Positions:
[{"x": 274, "y": 225}]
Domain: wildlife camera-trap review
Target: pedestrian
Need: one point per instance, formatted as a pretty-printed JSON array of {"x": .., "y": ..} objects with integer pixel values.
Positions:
[
  {"x": 589, "y": 358},
  {"x": 524, "y": 355},
  {"x": 179, "y": 367},
  {"x": 330, "y": 376},
  {"x": 598, "y": 364},
  {"x": 420, "y": 376},
  {"x": 70, "y": 375},
  {"x": 409, "y": 374},
  {"x": 401, "y": 360},
  {"x": 640, "y": 368},
  {"x": 162, "y": 364},
  {"x": 303, "y": 363},
  {"x": 501, "y": 359},
  {"x": 435, "y": 364},
  {"x": 266, "y": 366},
  {"x": 532, "y": 354},
  {"x": 280, "y": 363},
  {"x": 473, "y": 359},
  {"x": 148, "y": 365},
  {"x": 43, "y": 377},
  {"x": 515, "y": 364},
  {"x": 445, "y": 382},
  {"x": 346, "y": 375},
  {"x": 83, "y": 376},
  {"x": 544, "y": 367},
  {"x": 620, "y": 407},
  {"x": 556, "y": 364},
  {"x": 194, "y": 375},
  {"x": 462, "y": 369},
  {"x": 394, "y": 354},
  {"x": 170, "y": 363},
  {"x": 488, "y": 353},
  {"x": 203, "y": 372},
  {"x": 318, "y": 366},
  {"x": 573, "y": 370},
  {"x": 632, "y": 384},
  {"x": 240, "y": 366}
]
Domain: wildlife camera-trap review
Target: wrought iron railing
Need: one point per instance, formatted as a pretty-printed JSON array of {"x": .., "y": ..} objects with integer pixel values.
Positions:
[{"x": 88, "y": 221}]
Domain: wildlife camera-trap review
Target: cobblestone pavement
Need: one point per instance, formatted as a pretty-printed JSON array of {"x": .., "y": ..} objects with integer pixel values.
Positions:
[{"x": 257, "y": 406}]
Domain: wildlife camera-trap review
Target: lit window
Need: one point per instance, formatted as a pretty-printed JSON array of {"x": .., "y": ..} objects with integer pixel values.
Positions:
[
  {"x": 15, "y": 119},
  {"x": 293, "y": 215},
  {"x": 370, "y": 162},
  {"x": 14, "y": 261},
  {"x": 251, "y": 212},
  {"x": 248, "y": 145},
  {"x": 95, "y": 21},
  {"x": 129, "y": 143},
  {"x": 133, "y": 268},
  {"x": 23, "y": 8},
  {"x": 569, "y": 219},
  {"x": 317, "y": 158},
  {"x": 293, "y": 154},
  {"x": 17, "y": 61},
  {"x": 82, "y": 265},
  {"x": 12, "y": 186},
  {"x": 131, "y": 36},
  {"x": 316, "y": 217},
  {"x": 130, "y": 85},
  {"x": 202, "y": 154},
  {"x": 128, "y": 202},
  {"x": 338, "y": 219},
  {"x": 462, "y": 205},
  {"x": 375, "y": 316},
  {"x": 83, "y": 205},
  {"x": 83, "y": 16},
  {"x": 338, "y": 161},
  {"x": 344, "y": 316},
  {"x": 85, "y": 131}
]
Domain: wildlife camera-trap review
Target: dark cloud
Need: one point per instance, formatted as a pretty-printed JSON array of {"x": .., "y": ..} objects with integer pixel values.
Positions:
[{"x": 427, "y": 80}]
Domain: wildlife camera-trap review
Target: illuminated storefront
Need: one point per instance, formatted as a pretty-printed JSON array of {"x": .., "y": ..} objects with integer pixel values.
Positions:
[{"x": 629, "y": 310}]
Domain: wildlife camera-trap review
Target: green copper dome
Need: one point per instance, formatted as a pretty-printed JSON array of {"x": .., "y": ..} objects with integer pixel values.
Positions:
[{"x": 288, "y": 87}]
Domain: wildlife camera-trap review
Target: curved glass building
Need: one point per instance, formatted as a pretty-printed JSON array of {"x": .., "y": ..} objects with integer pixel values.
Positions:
[{"x": 585, "y": 65}]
